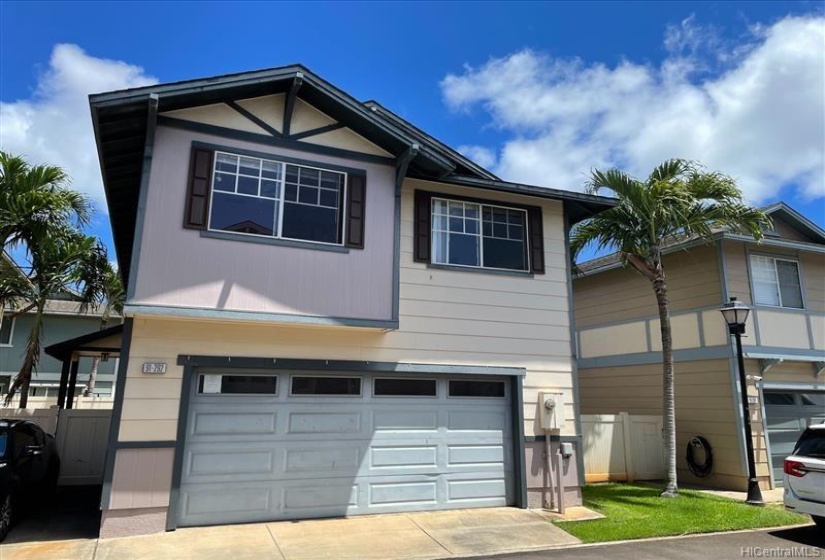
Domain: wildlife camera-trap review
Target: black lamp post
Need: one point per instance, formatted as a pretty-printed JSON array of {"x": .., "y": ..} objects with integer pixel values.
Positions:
[{"x": 736, "y": 313}]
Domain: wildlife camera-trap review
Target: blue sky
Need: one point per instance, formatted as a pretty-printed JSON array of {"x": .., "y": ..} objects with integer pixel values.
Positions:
[{"x": 538, "y": 92}]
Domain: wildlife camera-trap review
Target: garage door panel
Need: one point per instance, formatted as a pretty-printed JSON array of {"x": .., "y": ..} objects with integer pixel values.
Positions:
[
  {"x": 470, "y": 455},
  {"x": 227, "y": 422},
  {"x": 409, "y": 456},
  {"x": 250, "y": 459},
  {"x": 477, "y": 489},
  {"x": 329, "y": 460},
  {"x": 405, "y": 420},
  {"x": 324, "y": 423},
  {"x": 787, "y": 414},
  {"x": 403, "y": 493},
  {"x": 477, "y": 421},
  {"x": 237, "y": 461},
  {"x": 338, "y": 498}
]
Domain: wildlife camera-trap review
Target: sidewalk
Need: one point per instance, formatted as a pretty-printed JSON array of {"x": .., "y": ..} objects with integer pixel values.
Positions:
[{"x": 413, "y": 536}]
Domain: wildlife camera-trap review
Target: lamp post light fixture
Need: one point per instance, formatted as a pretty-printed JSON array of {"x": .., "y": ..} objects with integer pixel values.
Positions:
[{"x": 736, "y": 314}]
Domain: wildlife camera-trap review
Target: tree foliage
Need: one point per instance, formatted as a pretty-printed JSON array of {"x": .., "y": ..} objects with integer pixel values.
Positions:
[{"x": 678, "y": 202}]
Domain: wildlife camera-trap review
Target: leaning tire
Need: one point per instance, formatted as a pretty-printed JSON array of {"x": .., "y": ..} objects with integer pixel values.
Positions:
[{"x": 6, "y": 515}]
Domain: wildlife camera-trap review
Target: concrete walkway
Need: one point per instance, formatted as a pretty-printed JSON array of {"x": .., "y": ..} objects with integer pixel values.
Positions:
[{"x": 458, "y": 533}]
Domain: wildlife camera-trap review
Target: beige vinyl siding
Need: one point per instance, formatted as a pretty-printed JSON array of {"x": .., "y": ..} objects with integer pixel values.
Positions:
[
  {"x": 813, "y": 274},
  {"x": 790, "y": 233},
  {"x": 622, "y": 294},
  {"x": 446, "y": 317},
  {"x": 812, "y": 270},
  {"x": 704, "y": 406}
]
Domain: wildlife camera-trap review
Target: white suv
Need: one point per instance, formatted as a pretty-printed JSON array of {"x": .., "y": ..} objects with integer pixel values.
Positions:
[{"x": 805, "y": 475}]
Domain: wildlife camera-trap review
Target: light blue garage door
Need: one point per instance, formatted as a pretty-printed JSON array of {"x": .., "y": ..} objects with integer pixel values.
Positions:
[
  {"x": 787, "y": 414},
  {"x": 263, "y": 446}
]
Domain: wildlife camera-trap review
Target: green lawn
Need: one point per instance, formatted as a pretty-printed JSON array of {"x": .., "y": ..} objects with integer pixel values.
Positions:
[{"x": 636, "y": 512}]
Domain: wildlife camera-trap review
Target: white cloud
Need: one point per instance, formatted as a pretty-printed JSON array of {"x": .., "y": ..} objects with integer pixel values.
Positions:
[
  {"x": 485, "y": 157},
  {"x": 759, "y": 119},
  {"x": 54, "y": 125}
]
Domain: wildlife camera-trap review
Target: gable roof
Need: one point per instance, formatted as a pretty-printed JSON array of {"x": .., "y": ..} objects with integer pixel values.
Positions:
[
  {"x": 124, "y": 124},
  {"x": 796, "y": 220}
]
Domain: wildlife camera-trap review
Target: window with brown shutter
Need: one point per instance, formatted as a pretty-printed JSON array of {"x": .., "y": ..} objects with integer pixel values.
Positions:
[
  {"x": 356, "y": 204},
  {"x": 197, "y": 197},
  {"x": 477, "y": 234},
  {"x": 250, "y": 194}
]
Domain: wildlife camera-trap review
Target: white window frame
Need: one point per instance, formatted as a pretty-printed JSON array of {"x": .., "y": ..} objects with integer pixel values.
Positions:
[
  {"x": 281, "y": 200},
  {"x": 9, "y": 344},
  {"x": 774, "y": 260},
  {"x": 480, "y": 234}
]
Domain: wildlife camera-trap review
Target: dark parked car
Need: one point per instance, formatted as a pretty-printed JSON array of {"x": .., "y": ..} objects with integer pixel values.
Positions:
[{"x": 29, "y": 468}]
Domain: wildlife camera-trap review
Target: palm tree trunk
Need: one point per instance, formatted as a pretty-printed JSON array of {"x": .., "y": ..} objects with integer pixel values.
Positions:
[
  {"x": 30, "y": 360},
  {"x": 90, "y": 384},
  {"x": 671, "y": 489}
]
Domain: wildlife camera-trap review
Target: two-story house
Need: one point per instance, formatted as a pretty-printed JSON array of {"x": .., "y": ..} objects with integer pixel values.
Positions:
[
  {"x": 329, "y": 312},
  {"x": 782, "y": 279},
  {"x": 62, "y": 319}
]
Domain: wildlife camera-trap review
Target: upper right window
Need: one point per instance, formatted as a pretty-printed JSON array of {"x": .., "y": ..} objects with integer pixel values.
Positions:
[
  {"x": 474, "y": 234},
  {"x": 776, "y": 282}
]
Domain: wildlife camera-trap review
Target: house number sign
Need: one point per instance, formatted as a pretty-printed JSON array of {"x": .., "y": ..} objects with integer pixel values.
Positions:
[{"x": 154, "y": 367}]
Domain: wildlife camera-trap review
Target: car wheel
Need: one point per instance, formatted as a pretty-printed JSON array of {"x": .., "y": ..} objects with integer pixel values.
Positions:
[
  {"x": 6, "y": 515},
  {"x": 820, "y": 521}
]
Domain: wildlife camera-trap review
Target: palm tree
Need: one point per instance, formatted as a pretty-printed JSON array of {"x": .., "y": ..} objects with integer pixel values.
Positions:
[
  {"x": 678, "y": 201},
  {"x": 36, "y": 199},
  {"x": 114, "y": 296},
  {"x": 60, "y": 262}
]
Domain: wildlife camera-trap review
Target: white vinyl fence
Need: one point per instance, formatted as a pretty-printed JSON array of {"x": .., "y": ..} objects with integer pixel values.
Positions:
[
  {"x": 622, "y": 447},
  {"x": 81, "y": 436},
  {"x": 49, "y": 402}
]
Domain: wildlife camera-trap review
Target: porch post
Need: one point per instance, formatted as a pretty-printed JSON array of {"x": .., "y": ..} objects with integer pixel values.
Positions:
[
  {"x": 72, "y": 382},
  {"x": 64, "y": 382}
]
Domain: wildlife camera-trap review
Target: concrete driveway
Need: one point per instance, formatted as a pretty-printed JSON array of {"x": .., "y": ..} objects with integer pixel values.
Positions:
[{"x": 386, "y": 537}]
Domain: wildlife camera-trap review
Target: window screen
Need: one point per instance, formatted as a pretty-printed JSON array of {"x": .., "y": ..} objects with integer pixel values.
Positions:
[
  {"x": 238, "y": 384},
  {"x": 404, "y": 387},
  {"x": 305, "y": 385},
  {"x": 461, "y": 388}
]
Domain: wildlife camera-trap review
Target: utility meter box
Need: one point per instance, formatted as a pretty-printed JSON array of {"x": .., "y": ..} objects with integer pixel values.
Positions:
[{"x": 551, "y": 408}]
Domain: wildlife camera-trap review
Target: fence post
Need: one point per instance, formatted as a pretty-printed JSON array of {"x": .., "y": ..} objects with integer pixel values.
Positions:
[{"x": 627, "y": 426}]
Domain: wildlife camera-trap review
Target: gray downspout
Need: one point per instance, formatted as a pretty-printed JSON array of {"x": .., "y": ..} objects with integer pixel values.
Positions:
[{"x": 573, "y": 353}]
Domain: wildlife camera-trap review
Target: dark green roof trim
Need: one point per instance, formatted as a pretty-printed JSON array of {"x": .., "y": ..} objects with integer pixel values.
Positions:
[
  {"x": 258, "y": 122},
  {"x": 265, "y": 139},
  {"x": 63, "y": 350},
  {"x": 425, "y": 139}
]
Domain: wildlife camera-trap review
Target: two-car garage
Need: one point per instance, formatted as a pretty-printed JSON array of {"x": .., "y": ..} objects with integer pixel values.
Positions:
[{"x": 267, "y": 445}]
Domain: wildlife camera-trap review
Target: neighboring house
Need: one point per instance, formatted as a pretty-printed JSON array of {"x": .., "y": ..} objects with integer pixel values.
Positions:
[
  {"x": 62, "y": 320},
  {"x": 328, "y": 311},
  {"x": 782, "y": 279}
]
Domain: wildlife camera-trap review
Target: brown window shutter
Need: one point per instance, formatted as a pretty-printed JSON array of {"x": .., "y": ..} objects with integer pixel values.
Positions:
[
  {"x": 356, "y": 203},
  {"x": 536, "y": 241},
  {"x": 197, "y": 196},
  {"x": 423, "y": 226}
]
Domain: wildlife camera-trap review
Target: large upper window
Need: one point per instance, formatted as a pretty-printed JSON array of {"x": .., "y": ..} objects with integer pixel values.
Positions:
[
  {"x": 479, "y": 235},
  {"x": 6, "y": 329},
  {"x": 776, "y": 282},
  {"x": 275, "y": 199}
]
